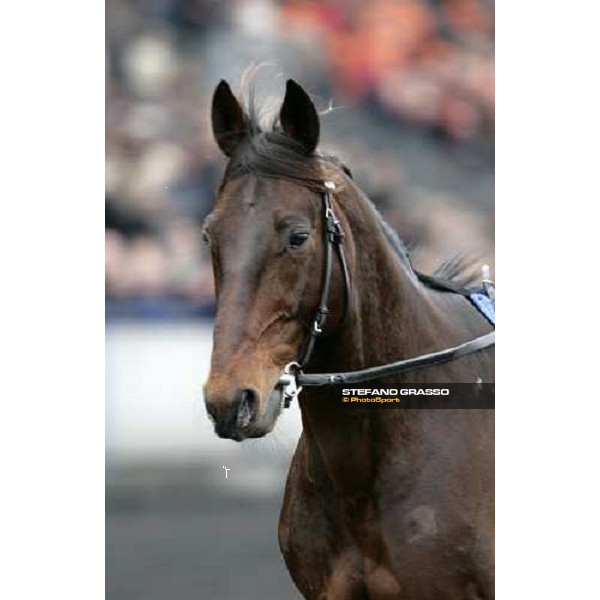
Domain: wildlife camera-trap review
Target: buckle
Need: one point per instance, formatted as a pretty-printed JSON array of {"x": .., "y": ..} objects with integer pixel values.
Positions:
[
  {"x": 320, "y": 319},
  {"x": 288, "y": 383},
  {"x": 488, "y": 284},
  {"x": 334, "y": 227}
]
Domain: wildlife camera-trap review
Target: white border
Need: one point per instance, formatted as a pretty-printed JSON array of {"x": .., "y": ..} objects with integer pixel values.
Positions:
[
  {"x": 546, "y": 401},
  {"x": 52, "y": 323},
  {"x": 52, "y": 317}
]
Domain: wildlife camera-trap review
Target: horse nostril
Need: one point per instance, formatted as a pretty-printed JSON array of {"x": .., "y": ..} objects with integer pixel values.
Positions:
[{"x": 247, "y": 407}]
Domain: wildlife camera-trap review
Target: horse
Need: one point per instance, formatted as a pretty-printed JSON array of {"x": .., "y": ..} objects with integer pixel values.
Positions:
[{"x": 378, "y": 504}]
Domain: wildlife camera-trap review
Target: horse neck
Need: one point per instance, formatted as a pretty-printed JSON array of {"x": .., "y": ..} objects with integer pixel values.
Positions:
[{"x": 391, "y": 316}]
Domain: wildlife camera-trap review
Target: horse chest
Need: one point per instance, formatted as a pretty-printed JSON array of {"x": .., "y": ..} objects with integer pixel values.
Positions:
[
  {"x": 408, "y": 536},
  {"x": 402, "y": 555}
]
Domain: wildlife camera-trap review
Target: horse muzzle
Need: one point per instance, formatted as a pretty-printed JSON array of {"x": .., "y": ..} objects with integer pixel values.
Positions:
[{"x": 240, "y": 416}]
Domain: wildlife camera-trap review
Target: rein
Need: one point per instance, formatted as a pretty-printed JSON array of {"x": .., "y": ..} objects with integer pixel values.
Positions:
[{"x": 294, "y": 379}]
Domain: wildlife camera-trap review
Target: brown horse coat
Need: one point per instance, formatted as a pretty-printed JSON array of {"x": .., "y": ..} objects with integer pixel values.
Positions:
[{"x": 379, "y": 504}]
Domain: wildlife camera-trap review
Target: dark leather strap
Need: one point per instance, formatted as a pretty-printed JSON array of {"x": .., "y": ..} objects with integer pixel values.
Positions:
[
  {"x": 398, "y": 367},
  {"x": 333, "y": 237}
]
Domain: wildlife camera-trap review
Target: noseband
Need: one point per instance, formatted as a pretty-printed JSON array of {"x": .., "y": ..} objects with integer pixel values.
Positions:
[{"x": 294, "y": 379}]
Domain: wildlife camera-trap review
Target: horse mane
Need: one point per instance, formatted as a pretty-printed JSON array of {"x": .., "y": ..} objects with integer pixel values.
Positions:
[
  {"x": 269, "y": 152},
  {"x": 452, "y": 275}
]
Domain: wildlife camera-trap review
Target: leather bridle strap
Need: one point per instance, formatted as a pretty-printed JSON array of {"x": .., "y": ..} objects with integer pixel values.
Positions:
[
  {"x": 398, "y": 367},
  {"x": 333, "y": 237}
]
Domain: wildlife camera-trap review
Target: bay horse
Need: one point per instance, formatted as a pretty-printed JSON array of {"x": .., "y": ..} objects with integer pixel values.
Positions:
[{"x": 378, "y": 504}]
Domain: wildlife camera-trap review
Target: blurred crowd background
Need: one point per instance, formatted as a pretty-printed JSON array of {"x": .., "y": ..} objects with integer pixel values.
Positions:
[
  {"x": 407, "y": 88},
  {"x": 410, "y": 85}
]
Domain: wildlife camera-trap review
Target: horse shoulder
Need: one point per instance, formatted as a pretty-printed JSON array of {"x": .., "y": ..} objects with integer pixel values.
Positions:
[{"x": 320, "y": 556}]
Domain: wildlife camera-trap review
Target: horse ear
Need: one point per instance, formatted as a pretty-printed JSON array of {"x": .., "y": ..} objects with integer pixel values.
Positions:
[
  {"x": 298, "y": 116},
  {"x": 228, "y": 120}
]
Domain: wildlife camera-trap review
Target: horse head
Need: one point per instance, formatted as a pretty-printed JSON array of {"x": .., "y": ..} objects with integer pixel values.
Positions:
[{"x": 265, "y": 236}]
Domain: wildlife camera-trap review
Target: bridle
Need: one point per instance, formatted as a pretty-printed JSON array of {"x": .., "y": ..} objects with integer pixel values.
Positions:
[
  {"x": 333, "y": 238},
  {"x": 294, "y": 379}
]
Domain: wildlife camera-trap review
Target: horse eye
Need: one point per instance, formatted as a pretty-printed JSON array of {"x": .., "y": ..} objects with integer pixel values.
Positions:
[
  {"x": 297, "y": 238},
  {"x": 205, "y": 237}
]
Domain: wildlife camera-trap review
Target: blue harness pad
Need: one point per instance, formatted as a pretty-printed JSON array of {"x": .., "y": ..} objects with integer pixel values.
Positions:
[{"x": 484, "y": 305}]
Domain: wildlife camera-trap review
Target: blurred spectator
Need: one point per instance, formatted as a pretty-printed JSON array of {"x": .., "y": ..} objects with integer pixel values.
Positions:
[{"x": 427, "y": 65}]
